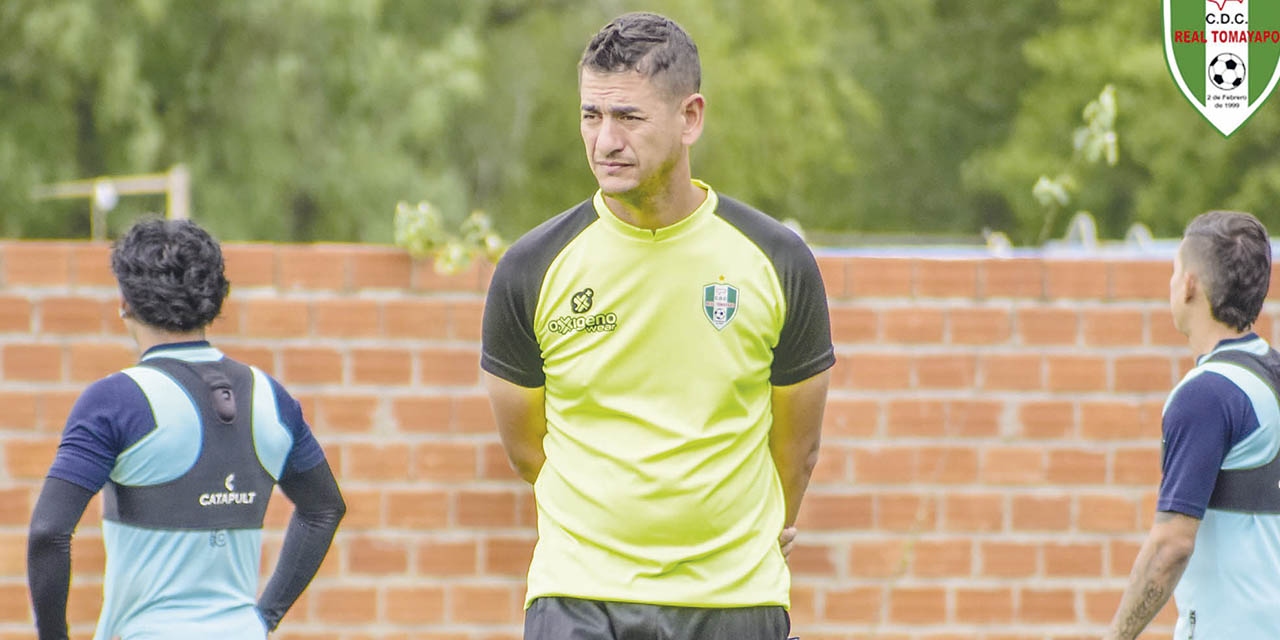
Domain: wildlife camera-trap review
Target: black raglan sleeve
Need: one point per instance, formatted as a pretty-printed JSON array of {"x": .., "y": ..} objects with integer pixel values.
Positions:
[
  {"x": 804, "y": 346},
  {"x": 510, "y": 348}
]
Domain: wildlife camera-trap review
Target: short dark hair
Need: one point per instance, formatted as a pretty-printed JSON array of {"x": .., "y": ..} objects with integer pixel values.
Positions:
[
  {"x": 170, "y": 274},
  {"x": 1231, "y": 253},
  {"x": 653, "y": 45}
]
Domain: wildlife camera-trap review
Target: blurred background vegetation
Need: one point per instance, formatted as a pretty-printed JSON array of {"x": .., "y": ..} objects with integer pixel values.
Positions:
[{"x": 310, "y": 120}]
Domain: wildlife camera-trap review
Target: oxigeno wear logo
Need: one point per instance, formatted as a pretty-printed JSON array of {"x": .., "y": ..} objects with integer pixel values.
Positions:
[
  {"x": 589, "y": 324},
  {"x": 231, "y": 496},
  {"x": 1222, "y": 55},
  {"x": 720, "y": 303}
]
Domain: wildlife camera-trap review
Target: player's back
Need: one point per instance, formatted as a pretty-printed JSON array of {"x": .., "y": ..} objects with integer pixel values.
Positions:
[{"x": 184, "y": 505}]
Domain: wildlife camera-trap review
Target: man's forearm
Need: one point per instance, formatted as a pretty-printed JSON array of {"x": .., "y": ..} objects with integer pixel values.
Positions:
[
  {"x": 1155, "y": 573},
  {"x": 319, "y": 508},
  {"x": 795, "y": 466},
  {"x": 53, "y": 521}
]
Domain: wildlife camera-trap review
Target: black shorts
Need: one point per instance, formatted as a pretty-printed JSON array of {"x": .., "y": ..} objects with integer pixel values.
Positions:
[{"x": 555, "y": 618}]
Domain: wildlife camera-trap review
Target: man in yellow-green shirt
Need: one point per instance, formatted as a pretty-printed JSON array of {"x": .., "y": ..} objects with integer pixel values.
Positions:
[{"x": 657, "y": 360}]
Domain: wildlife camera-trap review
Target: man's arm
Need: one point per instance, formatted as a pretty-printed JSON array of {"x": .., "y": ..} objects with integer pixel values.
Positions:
[
  {"x": 318, "y": 507},
  {"x": 57, "y": 512},
  {"x": 522, "y": 423},
  {"x": 1156, "y": 572},
  {"x": 796, "y": 433}
]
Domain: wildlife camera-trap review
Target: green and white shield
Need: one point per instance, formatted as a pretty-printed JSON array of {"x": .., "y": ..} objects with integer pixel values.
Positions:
[
  {"x": 1223, "y": 54},
  {"x": 720, "y": 303}
]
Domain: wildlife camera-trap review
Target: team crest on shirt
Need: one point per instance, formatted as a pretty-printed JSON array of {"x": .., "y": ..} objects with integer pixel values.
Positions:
[{"x": 720, "y": 303}]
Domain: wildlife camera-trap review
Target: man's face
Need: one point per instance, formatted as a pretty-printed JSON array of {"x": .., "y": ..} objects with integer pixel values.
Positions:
[{"x": 634, "y": 131}]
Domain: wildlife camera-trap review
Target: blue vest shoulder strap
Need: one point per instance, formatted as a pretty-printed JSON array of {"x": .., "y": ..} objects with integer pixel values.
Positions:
[{"x": 1255, "y": 490}]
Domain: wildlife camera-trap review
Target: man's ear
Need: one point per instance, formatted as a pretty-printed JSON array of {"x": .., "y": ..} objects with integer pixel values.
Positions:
[
  {"x": 692, "y": 109},
  {"x": 1191, "y": 286}
]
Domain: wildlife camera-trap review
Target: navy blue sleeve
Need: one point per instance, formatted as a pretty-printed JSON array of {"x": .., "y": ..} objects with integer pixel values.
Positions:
[
  {"x": 108, "y": 418},
  {"x": 306, "y": 452},
  {"x": 1206, "y": 417}
]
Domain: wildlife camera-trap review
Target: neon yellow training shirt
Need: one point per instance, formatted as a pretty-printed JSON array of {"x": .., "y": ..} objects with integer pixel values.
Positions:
[{"x": 658, "y": 351}]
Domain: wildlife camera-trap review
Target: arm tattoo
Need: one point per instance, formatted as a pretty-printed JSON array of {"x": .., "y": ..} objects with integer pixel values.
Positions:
[{"x": 1153, "y": 598}]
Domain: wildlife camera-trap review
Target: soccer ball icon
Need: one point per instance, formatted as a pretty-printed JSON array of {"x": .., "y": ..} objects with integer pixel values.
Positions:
[{"x": 1226, "y": 71}]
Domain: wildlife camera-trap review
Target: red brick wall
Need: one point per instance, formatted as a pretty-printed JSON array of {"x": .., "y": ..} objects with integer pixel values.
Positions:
[{"x": 989, "y": 458}]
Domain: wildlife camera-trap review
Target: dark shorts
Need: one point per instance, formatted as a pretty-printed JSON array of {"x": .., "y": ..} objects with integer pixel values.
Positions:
[{"x": 578, "y": 619}]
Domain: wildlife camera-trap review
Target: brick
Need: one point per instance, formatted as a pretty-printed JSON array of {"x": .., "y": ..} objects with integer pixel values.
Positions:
[
  {"x": 445, "y": 461},
  {"x": 1073, "y": 560},
  {"x": 381, "y": 366},
  {"x": 812, "y": 560},
  {"x": 55, "y": 406},
  {"x": 275, "y": 318},
  {"x": 947, "y": 465},
  {"x": 29, "y": 459},
  {"x": 449, "y": 367},
  {"x": 312, "y": 267},
  {"x": 895, "y": 465},
  {"x": 1045, "y": 606},
  {"x": 1046, "y": 420},
  {"x": 1161, "y": 331},
  {"x": 91, "y": 265},
  {"x": 37, "y": 263},
  {"x": 414, "y": 605},
  {"x": 508, "y": 556},
  {"x": 1009, "y": 465},
  {"x": 833, "y": 465},
  {"x": 260, "y": 357},
  {"x": 346, "y": 413},
  {"x": 1143, "y": 373},
  {"x": 845, "y": 418},
  {"x": 1141, "y": 280},
  {"x": 1076, "y": 279},
  {"x": 980, "y": 326},
  {"x": 65, "y": 315},
  {"x": 311, "y": 365},
  {"x": 942, "y": 558},
  {"x": 906, "y": 512},
  {"x": 857, "y": 604},
  {"x": 973, "y": 512},
  {"x": 14, "y": 604},
  {"x": 876, "y": 371},
  {"x": 918, "y": 605},
  {"x": 484, "y": 508},
  {"x": 1100, "y": 606},
  {"x": 947, "y": 278},
  {"x": 1136, "y": 466},
  {"x": 467, "y": 321},
  {"x": 422, "y": 414},
  {"x": 1113, "y": 327},
  {"x": 494, "y": 464},
  {"x": 418, "y": 509},
  {"x": 375, "y": 462},
  {"x": 346, "y": 318},
  {"x": 825, "y": 512},
  {"x": 92, "y": 361},
  {"x": 32, "y": 362},
  {"x": 448, "y": 558},
  {"x": 1041, "y": 513},
  {"x": 1013, "y": 372},
  {"x": 945, "y": 371},
  {"x": 227, "y": 322},
  {"x": 473, "y": 414},
  {"x": 984, "y": 606},
  {"x": 426, "y": 278},
  {"x": 877, "y": 558},
  {"x": 1104, "y": 420},
  {"x": 913, "y": 325},
  {"x": 250, "y": 265},
  {"x": 1013, "y": 278},
  {"x": 917, "y": 418},
  {"x": 483, "y": 604},
  {"x": 1077, "y": 373},
  {"x": 345, "y": 605},
  {"x": 833, "y": 276},
  {"x": 1077, "y": 466},
  {"x": 21, "y": 410},
  {"x": 1008, "y": 559},
  {"x": 853, "y": 324},
  {"x": 1106, "y": 514},
  {"x": 974, "y": 418},
  {"x": 372, "y": 556},
  {"x": 1123, "y": 553},
  {"x": 879, "y": 277},
  {"x": 16, "y": 505},
  {"x": 15, "y": 314},
  {"x": 1038, "y": 326},
  {"x": 380, "y": 268}
]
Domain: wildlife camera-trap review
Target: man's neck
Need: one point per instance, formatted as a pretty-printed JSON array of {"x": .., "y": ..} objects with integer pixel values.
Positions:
[
  {"x": 1209, "y": 336},
  {"x": 675, "y": 202},
  {"x": 148, "y": 338}
]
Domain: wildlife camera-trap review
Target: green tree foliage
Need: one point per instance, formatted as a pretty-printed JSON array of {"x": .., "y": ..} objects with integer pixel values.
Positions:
[{"x": 310, "y": 120}]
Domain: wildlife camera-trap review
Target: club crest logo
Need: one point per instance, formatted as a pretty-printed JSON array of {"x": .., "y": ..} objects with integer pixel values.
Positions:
[
  {"x": 1223, "y": 55},
  {"x": 720, "y": 303}
]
